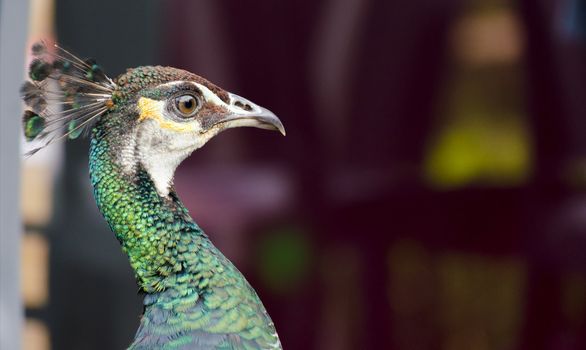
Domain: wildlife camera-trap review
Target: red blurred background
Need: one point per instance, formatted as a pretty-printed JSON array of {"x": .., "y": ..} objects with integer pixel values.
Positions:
[{"x": 430, "y": 192}]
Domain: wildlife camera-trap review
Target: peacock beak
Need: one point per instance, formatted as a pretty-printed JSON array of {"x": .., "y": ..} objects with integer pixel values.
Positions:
[{"x": 241, "y": 112}]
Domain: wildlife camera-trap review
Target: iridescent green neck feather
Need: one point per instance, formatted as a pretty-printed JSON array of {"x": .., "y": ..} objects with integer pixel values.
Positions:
[
  {"x": 157, "y": 233},
  {"x": 194, "y": 294}
]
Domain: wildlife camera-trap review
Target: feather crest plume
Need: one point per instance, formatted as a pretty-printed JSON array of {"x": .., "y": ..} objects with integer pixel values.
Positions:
[{"x": 64, "y": 96}]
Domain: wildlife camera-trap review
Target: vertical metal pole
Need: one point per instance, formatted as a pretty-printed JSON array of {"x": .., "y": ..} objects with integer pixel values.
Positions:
[{"x": 13, "y": 32}]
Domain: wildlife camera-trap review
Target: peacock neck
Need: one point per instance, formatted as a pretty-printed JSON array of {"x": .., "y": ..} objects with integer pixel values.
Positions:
[{"x": 160, "y": 238}]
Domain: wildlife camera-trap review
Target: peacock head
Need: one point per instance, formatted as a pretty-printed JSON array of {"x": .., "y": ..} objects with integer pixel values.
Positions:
[
  {"x": 164, "y": 113},
  {"x": 176, "y": 112}
]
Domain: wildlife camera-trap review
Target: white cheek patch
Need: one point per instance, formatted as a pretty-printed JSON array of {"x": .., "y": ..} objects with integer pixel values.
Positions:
[{"x": 160, "y": 151}]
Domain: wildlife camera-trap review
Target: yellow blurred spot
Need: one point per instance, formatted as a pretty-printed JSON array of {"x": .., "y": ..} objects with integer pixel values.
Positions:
[
  {"x": 484, "y": 136},
  {"x": 36, "y": 194},
  {"x": 493, "y": 152},
  {"x": 36, "y": 336},
  {"x": 35, "y": 270},
  {"x": 486, "y": 37}
]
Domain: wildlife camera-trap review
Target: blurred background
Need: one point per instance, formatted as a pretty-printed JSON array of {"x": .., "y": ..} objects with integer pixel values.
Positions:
[{"x": 430, "y": 192}]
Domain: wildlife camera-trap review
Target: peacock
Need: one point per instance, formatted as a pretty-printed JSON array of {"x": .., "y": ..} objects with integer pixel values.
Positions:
[{"x": 142, "y": 125}]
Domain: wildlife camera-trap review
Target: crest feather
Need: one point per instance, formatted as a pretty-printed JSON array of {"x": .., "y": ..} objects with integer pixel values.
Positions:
[{"x": 64, "y": 97}]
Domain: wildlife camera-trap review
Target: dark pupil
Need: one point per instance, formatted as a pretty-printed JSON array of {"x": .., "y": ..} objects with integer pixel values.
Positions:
[{"x": 187, "y": 103}]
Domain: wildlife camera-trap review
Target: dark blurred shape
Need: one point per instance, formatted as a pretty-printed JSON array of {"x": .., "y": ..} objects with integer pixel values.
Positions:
[
  {"x": 573, "y": 19},
  {"x": 413, "y": 295},
  {"x": 341, "y": 313}
]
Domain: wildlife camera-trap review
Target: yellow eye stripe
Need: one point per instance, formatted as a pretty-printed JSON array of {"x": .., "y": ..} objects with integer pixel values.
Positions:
[{"x": 152, "y": 109}]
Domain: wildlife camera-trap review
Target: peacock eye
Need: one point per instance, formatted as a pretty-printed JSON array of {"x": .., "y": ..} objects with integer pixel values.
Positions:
[{"x": 186, "y": 105}]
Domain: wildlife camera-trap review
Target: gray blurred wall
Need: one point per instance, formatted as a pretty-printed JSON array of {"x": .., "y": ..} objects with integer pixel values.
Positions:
[{"x": 13, "y": 29}]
